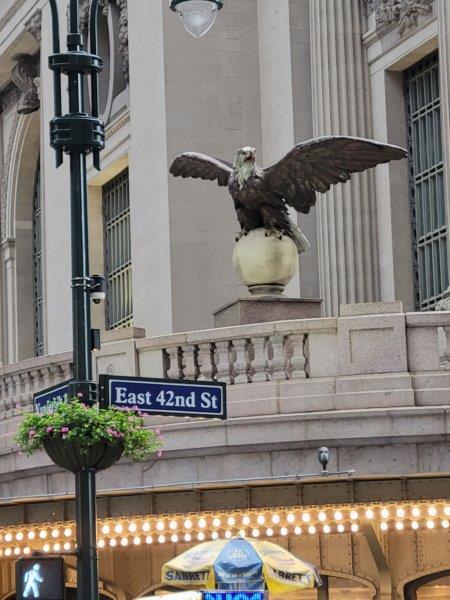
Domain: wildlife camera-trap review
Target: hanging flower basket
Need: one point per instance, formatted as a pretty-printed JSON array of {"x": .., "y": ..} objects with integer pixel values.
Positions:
[{"x": 78, "y": 437}]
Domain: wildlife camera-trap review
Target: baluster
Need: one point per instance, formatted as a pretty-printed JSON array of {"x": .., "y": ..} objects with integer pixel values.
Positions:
[
  {"x": 257, "y": 359},
  {"x": 205, "y": 362},
  {"x": 222, "y": 361},
  {"x": 239, "y": 361},
  {"x": 19, "y": 387},
  {"x": 447, "y": 346},
  {"x": 295, "y": 356},
  {"x": 190, "y": 361},
  {"x": 66, "y": 371},
  {"x": 10, "y": 392},
  {"x": 2, "y": 394},
  {"x": 276, "y": 358},
  {"x": 45, "y": 377},
  {"x": 175, "y": 366}
]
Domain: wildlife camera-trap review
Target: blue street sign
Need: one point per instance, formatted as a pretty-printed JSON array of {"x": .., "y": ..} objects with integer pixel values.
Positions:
[
  {"x": 45, "y": 401},
  {"x": 178, "y": 398},
  {"x": 234, "y": 595}
]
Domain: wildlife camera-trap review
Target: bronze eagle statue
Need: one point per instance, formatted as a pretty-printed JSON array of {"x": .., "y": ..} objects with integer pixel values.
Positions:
[{"x": 262, "y": 196}]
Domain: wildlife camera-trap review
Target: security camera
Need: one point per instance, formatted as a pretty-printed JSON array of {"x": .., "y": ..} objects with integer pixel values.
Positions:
[
  {"x": 323, "y": 454},
  {"x": 98, "y": 288}
]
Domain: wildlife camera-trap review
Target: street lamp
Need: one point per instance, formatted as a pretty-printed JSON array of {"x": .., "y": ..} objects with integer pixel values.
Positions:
[
  {"x": 78, "y": 134},
  {"x": 197, "y": 16}
]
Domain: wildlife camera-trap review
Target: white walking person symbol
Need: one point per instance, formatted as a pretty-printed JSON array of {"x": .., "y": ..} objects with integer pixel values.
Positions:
[{"x": 32, "y": 578}]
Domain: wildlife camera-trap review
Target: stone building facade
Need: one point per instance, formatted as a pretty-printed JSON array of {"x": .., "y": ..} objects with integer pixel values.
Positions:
[{"x": 370, "y": 379}]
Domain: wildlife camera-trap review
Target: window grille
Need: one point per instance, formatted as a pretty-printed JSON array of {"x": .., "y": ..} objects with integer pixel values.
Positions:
[
  {"x": 426, "y": 182},
  {"x": 37, "y": 266},
  {"x": 116, "y": 215}
]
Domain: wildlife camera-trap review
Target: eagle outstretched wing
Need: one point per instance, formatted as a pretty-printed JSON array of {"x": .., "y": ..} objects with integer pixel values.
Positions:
[
  {"x": 315, "y": 165},
  {"x": 194, "y": 164}
]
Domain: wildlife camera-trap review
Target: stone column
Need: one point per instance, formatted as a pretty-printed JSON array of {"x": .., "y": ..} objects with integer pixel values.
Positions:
[
  {"x": 346, "y": 214},
  {"x": 444, "y": 60}
]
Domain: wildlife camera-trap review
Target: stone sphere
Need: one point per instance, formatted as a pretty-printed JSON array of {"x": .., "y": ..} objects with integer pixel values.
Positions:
[{"x": 265, "y": 263}]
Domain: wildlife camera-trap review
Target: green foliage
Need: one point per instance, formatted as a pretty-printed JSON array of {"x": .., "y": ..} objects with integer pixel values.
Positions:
[{"x": 72, "y": 420}]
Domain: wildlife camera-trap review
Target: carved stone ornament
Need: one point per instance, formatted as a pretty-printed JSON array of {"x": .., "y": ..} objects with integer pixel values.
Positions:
[
  {"x": 400, "y": 14},
  {"x": 84, "y": 6},
  {"x": 25, "y": 75},
  {"x": 34, "y": 26}
]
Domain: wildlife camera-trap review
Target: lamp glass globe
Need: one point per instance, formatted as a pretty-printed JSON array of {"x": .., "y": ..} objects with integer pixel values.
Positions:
[{"x": 197, "y": 16}]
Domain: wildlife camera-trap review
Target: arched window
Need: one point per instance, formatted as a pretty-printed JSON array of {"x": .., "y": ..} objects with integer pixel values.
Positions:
[{"x": 37, "y": 266}]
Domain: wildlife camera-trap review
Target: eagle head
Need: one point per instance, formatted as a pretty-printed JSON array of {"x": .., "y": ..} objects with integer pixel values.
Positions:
[{"x": 244, "y": 156}]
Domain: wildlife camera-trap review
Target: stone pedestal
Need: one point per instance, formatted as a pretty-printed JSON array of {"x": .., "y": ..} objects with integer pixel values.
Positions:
[{"x": 262, "y": 309}]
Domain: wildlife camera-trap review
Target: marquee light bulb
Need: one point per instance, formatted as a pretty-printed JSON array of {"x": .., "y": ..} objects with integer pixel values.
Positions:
[
  {"x": 8, "y": 552},
  {"x": 228, "y": 534},
  {"x": 136, "y": 540},
  {"x": 246, "y": 520},
  {"x": 113, "y": 542},
  {"x": 174, "y": 538},
  {"x": 283, "y": 531},
  {"x": 290, "y": 518},
  {"x": 340, "y": 528},
  {"x": 173, "y": 524},
  {"x": 149, "y": 539},
  {"x": 275, "y": 519},
  {"x": 67, "y": 545},
  {"x": 31, "y": 535},
  {"x": 17, "y": 551},
  {"x": 160, "y": 525},
  {"x": 432, "y": 511},
  {"x": 399, "y": 525},
  {"x": 326, "y": 529},
  {"x": 200, "y": 536},
  {"x": 161, "y": 539},
  {"x": 242, "y": 533},
  {"x": 369, "y": 513},
  {"x": 118, "y": 528},
  {"x": 415, "y": 525},
  {"x": 306, "y": 517},
  {"x": 384, "y": 526},
  {"x": 311, "y": 529},
  {"x": 214, "y": 535},
  {"x": 67, "y": 532},
  {"x": 415, "y": 512},
  {"x": 353, "y": 515},
  {"x": 27, "y": 550},
  {"x": 231, "y": 521},
  {"x": 430, "y": 524},
  {"x": 188, "y": 524},
  {"x": 338, "y": 515},
  {"x": 43, "y": 534},
  {"x": 105, "y": 529},
  {"x": 445, "y": 524},
  {"x": 298, "y": 530},
  {"x": 354, "y": 527},
  {"x": 100, "y": 544},
  {"x": 8, "y": 537},
  {"x": 384, "y": 513},
  {"x": 447, "y": 511},
  {"x": 261, "y": 520},
  {"x": 255, "y": 533},
  {"x": 269, "y": 532},
  {"x": 400, "y": 512},
  {"x": 46, "y": 548},
  {"x": 322, "y": 516},
  {"x": 55, "y": 533},
  {"x": 124, "y": 541},
  {"x": 57, "y": 547},
  {"x": 132, "y": 527},
  {"x": 216, "y": 522},
  {"x": 187, "y": 537},
  {"x": 19, "y": 536},
  {"x": 202, "y": 523},
  {"x": 146, "y": 526}
]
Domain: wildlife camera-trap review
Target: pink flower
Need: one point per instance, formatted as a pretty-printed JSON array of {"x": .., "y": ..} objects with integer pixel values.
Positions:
[
  {"x": 50, "y": 429},
  {"x": 80, "y": 394},
  {"x": 64, "y": 430},
  {"x": 158, "y": 431},
  {"x": 159, "y": 453},
  {"x": 31, "y": 433}
]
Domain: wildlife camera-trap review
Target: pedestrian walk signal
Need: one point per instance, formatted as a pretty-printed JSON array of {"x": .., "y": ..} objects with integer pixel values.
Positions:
[{"x": 40, "y": 578}]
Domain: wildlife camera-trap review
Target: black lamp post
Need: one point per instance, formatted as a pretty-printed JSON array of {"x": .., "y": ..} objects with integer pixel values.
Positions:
[{"x": 78, "y": 134}]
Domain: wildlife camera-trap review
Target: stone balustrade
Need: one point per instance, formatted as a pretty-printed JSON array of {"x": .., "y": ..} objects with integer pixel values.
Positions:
[{"x": 18, "y": 382}]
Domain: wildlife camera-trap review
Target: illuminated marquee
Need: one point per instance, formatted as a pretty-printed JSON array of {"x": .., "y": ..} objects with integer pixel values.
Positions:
[{"x": 234, "y": 595}]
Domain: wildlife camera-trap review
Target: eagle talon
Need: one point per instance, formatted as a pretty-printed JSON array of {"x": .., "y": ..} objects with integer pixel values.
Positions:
[{"x": 243, "y": 232}]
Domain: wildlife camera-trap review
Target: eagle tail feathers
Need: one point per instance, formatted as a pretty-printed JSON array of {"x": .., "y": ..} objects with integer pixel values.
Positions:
[{"x": 300, "y": 240}]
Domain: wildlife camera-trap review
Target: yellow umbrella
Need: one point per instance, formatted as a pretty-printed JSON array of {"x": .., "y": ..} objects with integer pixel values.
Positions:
[{"x": 240, "y": 564}]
